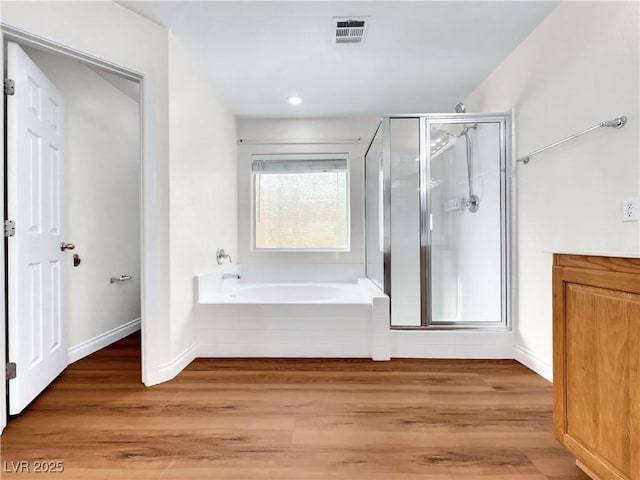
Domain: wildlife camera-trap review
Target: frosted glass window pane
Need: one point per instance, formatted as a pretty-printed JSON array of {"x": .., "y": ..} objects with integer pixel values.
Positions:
[{"x": 301, "y": 210}]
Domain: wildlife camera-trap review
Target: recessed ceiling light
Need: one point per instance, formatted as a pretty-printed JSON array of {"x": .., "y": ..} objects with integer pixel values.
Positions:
[{"x": 294, "y": 100}]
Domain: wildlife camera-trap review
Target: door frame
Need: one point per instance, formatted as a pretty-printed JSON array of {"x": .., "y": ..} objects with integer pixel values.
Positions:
[{"x": 147, "y": 168}]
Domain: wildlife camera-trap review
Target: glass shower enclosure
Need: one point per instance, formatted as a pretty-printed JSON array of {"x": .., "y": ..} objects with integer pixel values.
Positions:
[{"x": 438, "y": 199}]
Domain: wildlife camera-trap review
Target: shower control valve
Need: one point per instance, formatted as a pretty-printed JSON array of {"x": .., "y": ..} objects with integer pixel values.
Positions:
[
  {"x": 221, "y": 255},
  {"x": 473, "y": 203}
]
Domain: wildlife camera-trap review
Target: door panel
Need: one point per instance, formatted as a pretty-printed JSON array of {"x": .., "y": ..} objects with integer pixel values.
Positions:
[
  {"x": 35, "y": 160},
  {"x": 598, "y": 327},
  {"x": 465, "y": 184}
]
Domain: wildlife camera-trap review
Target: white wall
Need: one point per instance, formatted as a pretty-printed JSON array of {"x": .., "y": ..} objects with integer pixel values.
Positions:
[
  {"x": 203, "y": 186},
  {"x": 304, "y": 128},
  {"x": 579, "y": 67},
  {"x": 101, "y": 198}
]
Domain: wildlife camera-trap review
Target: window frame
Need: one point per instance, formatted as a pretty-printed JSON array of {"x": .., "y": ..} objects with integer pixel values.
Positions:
[{"x": 318, "y": 156}]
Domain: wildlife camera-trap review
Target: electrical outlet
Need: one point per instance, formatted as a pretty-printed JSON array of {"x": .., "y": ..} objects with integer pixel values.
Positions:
[{"x": 630, "y": 209}]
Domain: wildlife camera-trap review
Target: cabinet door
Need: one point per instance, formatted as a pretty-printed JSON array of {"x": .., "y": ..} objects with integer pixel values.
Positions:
[
  {"x": 597, "y": 327},
  {"x": 634, "y": 382}
]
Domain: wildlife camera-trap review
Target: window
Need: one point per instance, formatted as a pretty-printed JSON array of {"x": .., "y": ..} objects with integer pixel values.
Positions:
[{"x": 300, "y": 202}]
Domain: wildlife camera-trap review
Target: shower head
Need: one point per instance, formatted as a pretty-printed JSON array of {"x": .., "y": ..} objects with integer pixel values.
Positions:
[
  {"x": 460, "y": 108},
  {"x": 439, "y": 139}
]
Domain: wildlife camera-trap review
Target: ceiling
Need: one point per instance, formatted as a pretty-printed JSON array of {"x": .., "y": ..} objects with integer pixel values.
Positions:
[{"x": 417, "y": 56}]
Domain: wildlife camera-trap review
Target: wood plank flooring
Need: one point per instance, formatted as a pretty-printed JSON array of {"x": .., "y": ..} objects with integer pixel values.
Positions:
[{"x": 290, "y": 419}]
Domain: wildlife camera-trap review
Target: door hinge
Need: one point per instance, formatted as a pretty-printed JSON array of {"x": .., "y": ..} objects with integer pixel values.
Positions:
[
  {"x": 9, "y": 86},
  {"x": 10, "y": 370},
  {"x": 9, "y": 228}
]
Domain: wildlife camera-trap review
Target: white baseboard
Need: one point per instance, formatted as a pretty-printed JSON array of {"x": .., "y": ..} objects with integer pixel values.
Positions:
[
  {"x": 169, "y": 370},
  {"x": 107, "y": 338},
  {"x": 534, "y": 362}
]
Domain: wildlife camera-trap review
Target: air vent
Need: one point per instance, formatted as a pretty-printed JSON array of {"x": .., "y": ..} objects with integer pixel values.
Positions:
[{"x": 350, "y": 30}]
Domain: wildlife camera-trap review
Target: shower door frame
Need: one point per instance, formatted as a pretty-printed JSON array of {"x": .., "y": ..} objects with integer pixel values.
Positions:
[{"x": 507, "y": 212}]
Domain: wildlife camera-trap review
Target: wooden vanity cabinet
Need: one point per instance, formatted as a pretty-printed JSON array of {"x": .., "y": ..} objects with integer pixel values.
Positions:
[{"x": 596, "y": 364}]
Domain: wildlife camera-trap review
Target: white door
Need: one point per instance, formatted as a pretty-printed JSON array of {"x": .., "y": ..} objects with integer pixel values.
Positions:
[{"x": 35, "y": 169}]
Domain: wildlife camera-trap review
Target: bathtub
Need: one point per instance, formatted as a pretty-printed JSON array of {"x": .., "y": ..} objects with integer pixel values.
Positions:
[{"x": 258, "y": 316}]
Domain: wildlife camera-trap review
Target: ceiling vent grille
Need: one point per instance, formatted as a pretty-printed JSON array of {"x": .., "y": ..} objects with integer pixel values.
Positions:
[{"x": 350, "y": 30}]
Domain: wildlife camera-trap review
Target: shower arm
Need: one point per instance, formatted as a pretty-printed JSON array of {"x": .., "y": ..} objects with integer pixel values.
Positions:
[{"x": 617, "y": 122}]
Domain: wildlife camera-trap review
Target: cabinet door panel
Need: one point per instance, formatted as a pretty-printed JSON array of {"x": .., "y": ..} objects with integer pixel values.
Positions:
[
  {"x": 598, "y": 367},
  {"x": 633, "y": 314},
  {"x": 581, "y": 385}
]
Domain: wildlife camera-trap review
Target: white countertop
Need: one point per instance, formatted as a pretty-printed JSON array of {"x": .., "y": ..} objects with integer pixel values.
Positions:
[{"x": 594, "y": 253}]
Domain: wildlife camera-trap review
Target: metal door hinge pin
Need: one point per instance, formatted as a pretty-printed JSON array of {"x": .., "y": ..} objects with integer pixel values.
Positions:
[
  {"x": 10, "y": 371},
  {"x": 9, "y": 228},
  {"x": 9, "y": 86}
]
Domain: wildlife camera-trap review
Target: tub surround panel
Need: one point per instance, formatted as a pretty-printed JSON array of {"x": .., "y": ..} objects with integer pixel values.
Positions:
[{"x": 286, "y": 336}]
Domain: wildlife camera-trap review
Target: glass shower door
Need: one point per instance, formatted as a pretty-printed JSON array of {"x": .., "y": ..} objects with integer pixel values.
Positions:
[{"x": 465, "y": 274}]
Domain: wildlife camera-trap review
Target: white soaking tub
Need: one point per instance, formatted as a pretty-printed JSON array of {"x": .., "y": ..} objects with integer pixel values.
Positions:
[
  {"x": 254, "y": 317},
  {"x": 290, "y": 293}
]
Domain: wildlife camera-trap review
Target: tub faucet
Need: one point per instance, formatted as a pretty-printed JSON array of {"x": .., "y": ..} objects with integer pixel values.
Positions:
[
  {"x": 221, "y": 255},
  {"x": 230, "y": 275}
]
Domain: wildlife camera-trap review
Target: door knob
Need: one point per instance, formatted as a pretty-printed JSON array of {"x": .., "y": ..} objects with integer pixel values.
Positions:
[{"x": 67, "y": 246}]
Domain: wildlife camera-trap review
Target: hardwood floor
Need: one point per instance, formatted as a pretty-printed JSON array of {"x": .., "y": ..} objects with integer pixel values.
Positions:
[{"x": 249, "y": 419}]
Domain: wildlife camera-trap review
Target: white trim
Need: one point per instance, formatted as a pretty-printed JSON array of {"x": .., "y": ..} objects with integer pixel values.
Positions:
[
  {"x": 3, "y": 343},
  {"x": 100, "y": 341},
  {"x": 452, "y": 344},
  {"x": 533, "y": 362},
  {"x": 252, "y": 219},
  {"x": 293, "y": 157},
  {"x": 169, "y": 370},
  {"x": 33, "y": 40}
]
